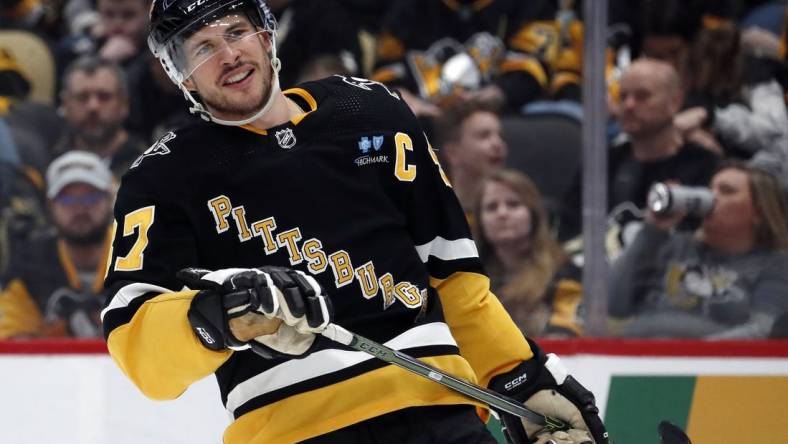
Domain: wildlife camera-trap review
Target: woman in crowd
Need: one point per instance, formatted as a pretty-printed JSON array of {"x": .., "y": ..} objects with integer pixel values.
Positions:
[
  {"x": 529, "y": 272},
  {"x": 727, "y": 280}
]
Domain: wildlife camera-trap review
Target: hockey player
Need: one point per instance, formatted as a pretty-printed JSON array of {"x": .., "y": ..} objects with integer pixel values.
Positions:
[{"x": 324, "y": 195}]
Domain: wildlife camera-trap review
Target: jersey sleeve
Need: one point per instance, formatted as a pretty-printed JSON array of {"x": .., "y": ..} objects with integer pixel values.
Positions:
[
  {"x": 486, "y": 334},
  {"x": 144, "y": 320}
]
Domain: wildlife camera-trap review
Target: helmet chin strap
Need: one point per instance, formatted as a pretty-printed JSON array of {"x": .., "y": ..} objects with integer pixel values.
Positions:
[{"x": 199, "y": 109}]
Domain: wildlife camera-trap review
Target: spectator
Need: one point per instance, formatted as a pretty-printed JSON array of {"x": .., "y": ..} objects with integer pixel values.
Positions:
[
  {"x": 21, "y": 203},
  {"x": 52, "y": 285},
  {"x": 726, "y": 281},
  {"x": 528, "y": 271},
  {"x": 34, "y": 126},
  {"x": 470, "y": 134},
  {"x": 497, "y": 51},
  {"x": 667, "y": 29},
  {"x": 118, "y": 35},
  {"x": 26, "y": 131},
  {"x": 733, "y": 92},
  {"x": 650, "y": 149},
  {"x": 651, "y": 96},
  {"x": 95, "y": 105}
]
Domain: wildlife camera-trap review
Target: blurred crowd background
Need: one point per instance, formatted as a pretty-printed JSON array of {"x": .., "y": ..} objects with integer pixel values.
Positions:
[{"x": 696, "y": 97}]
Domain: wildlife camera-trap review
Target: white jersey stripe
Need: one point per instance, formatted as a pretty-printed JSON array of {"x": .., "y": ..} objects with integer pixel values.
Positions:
[
  {"x": 447, "y": 249},
  {"x": 330, "y": 361},
  {"x": 126, "y": 294}
]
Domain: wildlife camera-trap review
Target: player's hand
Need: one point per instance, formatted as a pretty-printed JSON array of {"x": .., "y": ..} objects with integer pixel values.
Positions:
[
  {"x": 543, "y": 384},
  {"x": 571, "y": 436},
  {"x": 274, "y": 311}
]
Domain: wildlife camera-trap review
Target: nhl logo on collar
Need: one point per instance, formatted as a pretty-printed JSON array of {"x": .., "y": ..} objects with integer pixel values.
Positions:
[{"x": 285, "y": 138}]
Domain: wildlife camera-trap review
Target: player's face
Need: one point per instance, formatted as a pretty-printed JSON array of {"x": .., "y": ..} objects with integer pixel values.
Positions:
[
  {"x": 230, "y": 68},
  {"x": 481, "y": 148},
  {"x": 504, "y": 216},
  {"x": 81, "y": 213},
  {"x": 734, "y": 212},
  {"x": 94, "y": 105}
]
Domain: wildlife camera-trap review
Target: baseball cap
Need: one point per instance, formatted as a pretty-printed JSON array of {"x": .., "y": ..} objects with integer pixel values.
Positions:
[{"x": 77, "y": 167}]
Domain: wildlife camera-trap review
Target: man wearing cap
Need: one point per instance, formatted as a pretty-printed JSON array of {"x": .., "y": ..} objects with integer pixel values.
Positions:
[{"x": 52, "y": 285}]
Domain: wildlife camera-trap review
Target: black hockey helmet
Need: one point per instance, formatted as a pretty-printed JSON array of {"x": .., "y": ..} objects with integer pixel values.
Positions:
[{"x": 172, "y": 22}]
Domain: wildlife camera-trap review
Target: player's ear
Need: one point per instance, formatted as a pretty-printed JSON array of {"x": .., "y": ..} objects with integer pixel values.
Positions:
[{"x": 266, "y": 37}]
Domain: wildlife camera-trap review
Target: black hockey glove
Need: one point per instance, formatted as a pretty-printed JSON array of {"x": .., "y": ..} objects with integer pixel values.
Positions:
[
  {"x": 257, "y": 298},
  {"x": 543, "y": 384}
]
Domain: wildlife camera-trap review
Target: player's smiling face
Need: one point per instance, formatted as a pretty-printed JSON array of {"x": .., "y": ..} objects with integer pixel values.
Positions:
[{"x": 229, "y": 67}]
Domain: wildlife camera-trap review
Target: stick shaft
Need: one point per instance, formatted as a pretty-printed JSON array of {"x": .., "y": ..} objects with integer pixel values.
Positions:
[{"x": 413, "y": 365}]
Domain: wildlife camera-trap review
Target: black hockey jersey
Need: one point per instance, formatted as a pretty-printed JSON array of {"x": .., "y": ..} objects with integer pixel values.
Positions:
[{"x": 351, "y": 192}]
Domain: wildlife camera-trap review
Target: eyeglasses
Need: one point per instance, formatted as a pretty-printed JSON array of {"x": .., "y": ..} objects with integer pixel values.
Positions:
[{"x": 85, "y": 200}]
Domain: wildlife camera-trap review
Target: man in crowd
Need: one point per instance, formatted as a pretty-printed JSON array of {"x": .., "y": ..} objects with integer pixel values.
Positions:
[
  {"x": 650, "y": 97},
  {"x": 95, "y": 105},
  {"x": 117, "y": 36},
  {"x": 52, "y": 285},
  {"x": 473, "y": 146}
]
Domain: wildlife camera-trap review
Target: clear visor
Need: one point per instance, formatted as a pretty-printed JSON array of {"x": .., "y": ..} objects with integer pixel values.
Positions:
[{"x": 212, "y": 35}]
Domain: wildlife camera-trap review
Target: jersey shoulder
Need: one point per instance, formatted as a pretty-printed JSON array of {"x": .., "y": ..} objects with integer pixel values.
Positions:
[
  {"x": 175, "y": 154},
  {"x": 354, "y": 104}
]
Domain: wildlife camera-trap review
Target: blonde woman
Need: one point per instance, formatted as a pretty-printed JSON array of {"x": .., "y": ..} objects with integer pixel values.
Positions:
[{"x": 529, "y": 272}]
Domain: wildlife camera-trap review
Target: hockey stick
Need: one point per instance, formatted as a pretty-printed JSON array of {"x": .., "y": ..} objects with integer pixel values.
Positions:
[{"x": 343, "y": 336}]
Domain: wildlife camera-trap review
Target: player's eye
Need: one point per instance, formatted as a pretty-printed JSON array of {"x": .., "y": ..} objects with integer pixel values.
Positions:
[
  {"x": 238, "y": 33},
  {"x": 203, "y": 50}
]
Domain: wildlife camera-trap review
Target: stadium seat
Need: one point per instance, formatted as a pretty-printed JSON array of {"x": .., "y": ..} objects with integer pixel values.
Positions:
[{"x": 35, "y": 59}]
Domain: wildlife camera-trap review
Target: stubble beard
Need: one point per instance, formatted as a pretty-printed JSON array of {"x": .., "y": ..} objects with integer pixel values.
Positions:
[
  {"x": 222, "y": 104},
  {"x": 101, "y": 137}
]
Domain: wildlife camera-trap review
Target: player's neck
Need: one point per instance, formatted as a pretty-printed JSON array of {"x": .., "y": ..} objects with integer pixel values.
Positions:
[{"x": 282, "y": 110}]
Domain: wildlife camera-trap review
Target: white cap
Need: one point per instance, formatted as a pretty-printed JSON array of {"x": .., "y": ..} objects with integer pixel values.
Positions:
[{"x": 77, "y": 167}]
